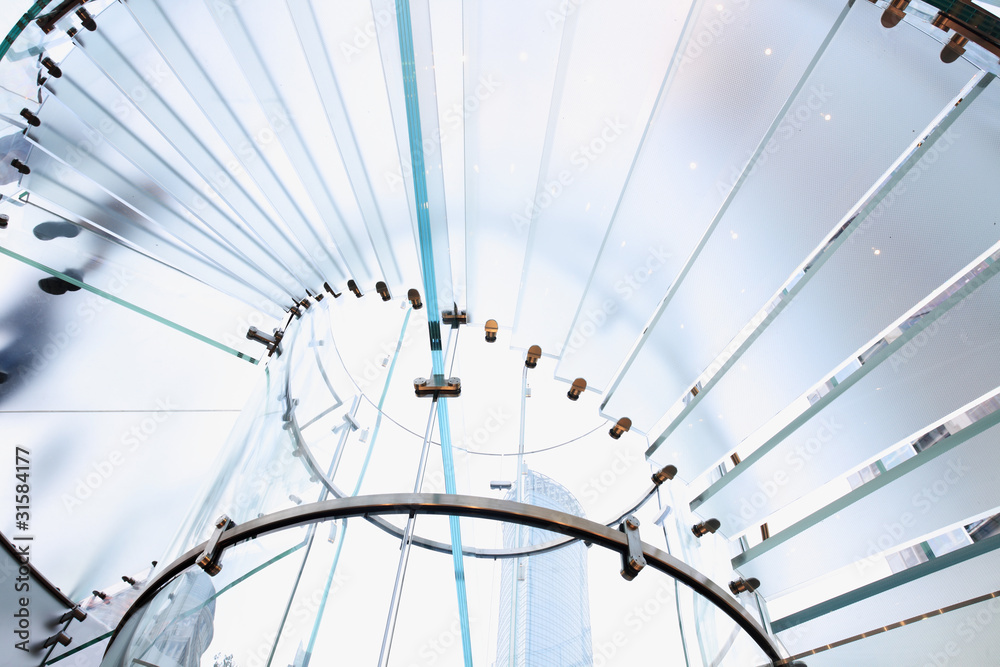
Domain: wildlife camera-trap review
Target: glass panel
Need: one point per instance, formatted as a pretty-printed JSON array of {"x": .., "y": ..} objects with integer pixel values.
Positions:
[
  {"x": 96, "y": 441},
  {"x": 263, "y": 69},
  {"x": 941, "y": 582},
  {"x": 126, "y": 130},
  {"x": 354, "y": 43},
  {"x": 936, "y": 368},
  {"x": 938, "y": 488},
  {"x": 197, "y": 619},
  {"x": 511, "y": 93},
  {"x": 963, "y": 636},
  {"x": 127, "y": 63},
  {"x": 410, "y": 77},
  {"x": 797, "y": 196},
  {"x": 604, "y": 105},
  {"x": 678, "y": 181},
  {"x": 127, "y": 278},
  {"x": 77, "y": 147},
  {"x": 367, "y": 228},
  {"x": 902, "y": 247}
]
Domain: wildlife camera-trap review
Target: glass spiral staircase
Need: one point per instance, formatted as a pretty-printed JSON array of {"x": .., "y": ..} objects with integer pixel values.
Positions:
[{"x": 763, "y": 233}]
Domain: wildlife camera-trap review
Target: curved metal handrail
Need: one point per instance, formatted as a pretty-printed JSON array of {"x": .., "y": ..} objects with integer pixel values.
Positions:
[
  {"x": 433, "y": 545},
  {"x": 465, "y": 506}
]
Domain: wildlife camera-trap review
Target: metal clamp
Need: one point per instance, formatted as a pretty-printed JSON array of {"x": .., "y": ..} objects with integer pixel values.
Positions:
[
  {"x": 744, "y": 585},
  {"x": 57, "y": 638},
  {"x": 706, "y": 527},
  {"x": 75, "y": 612},
  {"x": 210, "y": 560},
  {"x": 32, "y": 119},
  {"x": 48, "y": 21},
  {"x": 271, "y": 342},
  {"x": 449, "y": 387},
  {"x": 454, "y": 318},
  {"x": 632, "y": 560},
  {"x": 622, "y": 426},
  {"x": 663, "y": 474}
]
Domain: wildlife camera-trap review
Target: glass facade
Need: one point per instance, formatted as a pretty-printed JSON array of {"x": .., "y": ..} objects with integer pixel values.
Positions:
[{"x": 544, "y": 603}]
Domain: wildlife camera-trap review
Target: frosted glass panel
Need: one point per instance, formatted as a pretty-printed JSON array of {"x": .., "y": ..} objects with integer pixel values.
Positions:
[
  {"x": 678, "y": 181},
  {"x": 944, "y": 485},
  {"x": 504, "y": 92},
  {"x": 813, "y": 172},
  {"x": 176, "y": 114},
  {"x": 955, "y": 360},
  {"x": 121, "y": 274},
  {"x": 161, "y": 219},
  {"x": 131, "y": 134},
  {"x": 950, "y": 638},
  {"x": 957, "y": 576},
  {"x": 604, "y": 104},
  {"x": 902, "y": 248}
]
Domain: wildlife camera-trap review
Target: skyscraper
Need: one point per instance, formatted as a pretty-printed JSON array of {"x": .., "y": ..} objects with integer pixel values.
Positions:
[{"x": 544, "y": 604}]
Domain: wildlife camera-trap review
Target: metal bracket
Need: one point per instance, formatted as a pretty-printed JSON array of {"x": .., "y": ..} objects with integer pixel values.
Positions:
[
  {"x": 75, "y": 612},
  {"x": 744, "y": 585},
  {"x": 350, "y": 421},
  {"x": 455, "y": 317},
  {"x": 663, "y": 474},
  {"x": 57, "y": 638},
  {"x": 210, "y": 559},
  {"x": 48, "y": 22},
  {"x": 632, "y": 561},
  {"x": 447, "y": 388},
  {"x": 271, "y": 342}
]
